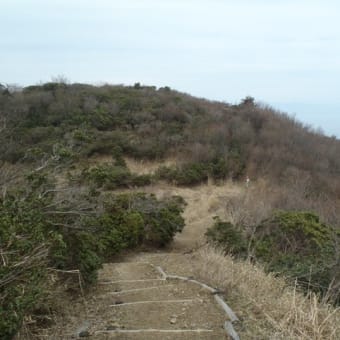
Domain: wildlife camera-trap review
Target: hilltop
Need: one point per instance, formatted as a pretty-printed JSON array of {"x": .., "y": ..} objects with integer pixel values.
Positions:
[
  {"x": 77, "y": 121},
  {"x": 83, "y": 171}
]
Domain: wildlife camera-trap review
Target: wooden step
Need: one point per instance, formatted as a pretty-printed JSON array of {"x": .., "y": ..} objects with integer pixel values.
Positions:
[
  {"x": 164, "y": 314},
  {"x": 171, "y": 290},
  {"x": 118, "y": 285},
  {"x": 162, "y": 334},
  {"x": 127, "y": 271}
]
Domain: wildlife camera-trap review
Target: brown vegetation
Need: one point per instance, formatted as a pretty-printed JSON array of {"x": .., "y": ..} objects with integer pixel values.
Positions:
[{"x": 269, "y": 308}]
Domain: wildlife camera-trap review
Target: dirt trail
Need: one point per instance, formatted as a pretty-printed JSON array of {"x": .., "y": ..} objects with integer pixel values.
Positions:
[
  {"x": 133, "y": 301},
  {"x": 203, "y": 203}
]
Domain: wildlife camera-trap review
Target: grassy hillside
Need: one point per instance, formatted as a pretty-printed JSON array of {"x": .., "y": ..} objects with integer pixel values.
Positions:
[{"x": 61, "y": 210}]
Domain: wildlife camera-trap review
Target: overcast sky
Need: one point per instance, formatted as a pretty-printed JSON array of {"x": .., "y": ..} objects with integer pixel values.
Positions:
[{"x": 285, "y": 52}]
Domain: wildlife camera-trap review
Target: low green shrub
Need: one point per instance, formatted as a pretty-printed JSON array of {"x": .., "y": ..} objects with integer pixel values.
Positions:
[
  {"x": 298, "y": 245},
  {"x": 167, "y": 173},
  {"x": 161, "y": 219},
  {"x": 82, "y": 136},
  {"x": 192, "y": 173},
  {"x": 108, "y": 176},
  {"x": 195, "y": 172},
  {"x": 218, "y": 168},
  {"x": 226, "y": 236},
  {"x": 150, "y": 148},
  {"x": 113, "y": 176},
  {"x": 105, "y": 142},
  {"x": 187, "y": 174},
  {"x": 292, "y": 243},
  {"x": 141, "y": 180}
]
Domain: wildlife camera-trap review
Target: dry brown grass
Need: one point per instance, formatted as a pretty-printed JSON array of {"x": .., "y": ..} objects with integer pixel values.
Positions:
[
  {"x": 268, "y": 307},
  {"x": 203, "y": 203},
  {"x": 144, "y": 167}
]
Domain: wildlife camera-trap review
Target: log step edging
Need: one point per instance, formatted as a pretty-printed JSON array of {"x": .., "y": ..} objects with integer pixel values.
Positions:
[{"x": 228, "y": 326}]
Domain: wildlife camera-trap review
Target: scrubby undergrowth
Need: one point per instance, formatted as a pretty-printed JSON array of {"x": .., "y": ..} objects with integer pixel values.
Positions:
[
  {"x": 269, "y": 307},
  {"x": 293, "y": 243},
  {"x": 42, "y": 230}
]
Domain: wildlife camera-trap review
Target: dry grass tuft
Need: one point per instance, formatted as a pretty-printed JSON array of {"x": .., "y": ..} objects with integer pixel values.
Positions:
[
  {"x": 268, "y": 307},
  {"x": 145, "y": 167}
]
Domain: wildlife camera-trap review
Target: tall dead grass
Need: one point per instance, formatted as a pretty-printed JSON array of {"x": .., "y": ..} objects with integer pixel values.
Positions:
[
  {"x": 268, "y": 307},
  {"x": 145, "y": 167}
]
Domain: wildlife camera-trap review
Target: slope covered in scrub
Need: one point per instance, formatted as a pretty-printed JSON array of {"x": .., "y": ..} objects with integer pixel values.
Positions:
[
  {"x": 74, "y": 121},
  {"x": 71, "y": 198}
]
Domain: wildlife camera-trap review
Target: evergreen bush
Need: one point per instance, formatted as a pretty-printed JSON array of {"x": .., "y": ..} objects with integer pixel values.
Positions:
[{"x": 227, "y": 236}]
